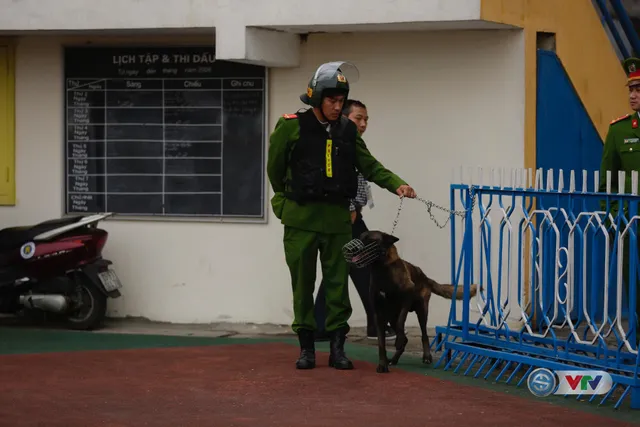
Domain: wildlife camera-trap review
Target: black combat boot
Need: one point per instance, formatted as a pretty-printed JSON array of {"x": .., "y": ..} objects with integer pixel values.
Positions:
[
  {"x": 337, "y": 357},
  {"x": 307, "y": 358}
]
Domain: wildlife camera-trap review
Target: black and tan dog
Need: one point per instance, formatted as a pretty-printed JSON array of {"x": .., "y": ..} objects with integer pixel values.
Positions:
[{"x": 398, "y": 287}]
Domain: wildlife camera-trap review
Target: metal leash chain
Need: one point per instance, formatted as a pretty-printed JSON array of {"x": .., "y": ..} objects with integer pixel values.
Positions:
[{"x": 429, "y": 204}]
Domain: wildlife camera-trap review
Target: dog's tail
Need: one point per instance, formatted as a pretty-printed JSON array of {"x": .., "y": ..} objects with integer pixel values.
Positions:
[{"x": 446, "y": 291}]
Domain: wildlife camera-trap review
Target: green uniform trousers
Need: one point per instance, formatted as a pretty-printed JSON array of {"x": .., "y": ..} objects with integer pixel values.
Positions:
[{"x": 301, "y": 248}]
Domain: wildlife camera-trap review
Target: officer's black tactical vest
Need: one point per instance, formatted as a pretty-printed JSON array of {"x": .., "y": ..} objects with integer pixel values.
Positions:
[{"x": 322, "y": 170}]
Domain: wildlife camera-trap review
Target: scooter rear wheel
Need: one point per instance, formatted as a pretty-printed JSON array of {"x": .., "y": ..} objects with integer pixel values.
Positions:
[{"x": 92, "y": 305}]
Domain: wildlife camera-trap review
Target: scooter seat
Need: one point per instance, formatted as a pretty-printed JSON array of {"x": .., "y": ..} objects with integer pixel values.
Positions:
[{"x": 14, "y": 237}]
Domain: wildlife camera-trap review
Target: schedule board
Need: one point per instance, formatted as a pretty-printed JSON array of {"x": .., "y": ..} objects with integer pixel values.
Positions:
[{"x": 163, "y": 132}]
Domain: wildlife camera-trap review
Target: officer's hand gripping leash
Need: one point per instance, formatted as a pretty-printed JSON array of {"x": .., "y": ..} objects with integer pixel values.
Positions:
[{"x": 360, "y": 255}]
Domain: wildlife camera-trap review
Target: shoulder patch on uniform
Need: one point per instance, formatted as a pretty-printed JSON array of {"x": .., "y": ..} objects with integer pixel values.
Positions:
[
  {"x": 290, "y": 116},
  {"x": 620, "y": 118}
]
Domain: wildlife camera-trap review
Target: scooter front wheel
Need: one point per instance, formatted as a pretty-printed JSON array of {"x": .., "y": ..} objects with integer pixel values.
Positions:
[{"x": 90, "y": 305}]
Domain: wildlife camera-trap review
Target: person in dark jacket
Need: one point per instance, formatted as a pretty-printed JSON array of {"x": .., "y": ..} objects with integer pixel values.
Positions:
[{"x": 356, "y": 111}]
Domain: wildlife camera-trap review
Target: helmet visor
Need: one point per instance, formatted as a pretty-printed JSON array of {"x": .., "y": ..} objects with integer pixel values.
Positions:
[{"x": 329, "y": 70}]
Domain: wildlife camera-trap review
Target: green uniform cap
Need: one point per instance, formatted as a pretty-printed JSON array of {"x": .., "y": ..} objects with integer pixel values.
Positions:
[{"x": 632, "y": 68}]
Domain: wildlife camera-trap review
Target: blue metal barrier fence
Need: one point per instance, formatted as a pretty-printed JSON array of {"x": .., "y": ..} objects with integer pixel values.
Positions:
[{"x": 551, "y": 261}]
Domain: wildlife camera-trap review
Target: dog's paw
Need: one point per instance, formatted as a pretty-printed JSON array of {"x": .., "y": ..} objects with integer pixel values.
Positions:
[
  {"x": 396, "y": 359},
  {"x": 382, "y": 369},
  {"x": 427, "y": 359}
]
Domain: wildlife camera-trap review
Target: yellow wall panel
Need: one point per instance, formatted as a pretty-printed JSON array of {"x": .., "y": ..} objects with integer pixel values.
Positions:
[{"x": 584, "y": 49}]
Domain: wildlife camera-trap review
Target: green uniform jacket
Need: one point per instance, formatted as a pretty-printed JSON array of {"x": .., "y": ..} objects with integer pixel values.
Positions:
[
  {"x": 621, "y": 153},
  {"x": 318, "y": 216}
]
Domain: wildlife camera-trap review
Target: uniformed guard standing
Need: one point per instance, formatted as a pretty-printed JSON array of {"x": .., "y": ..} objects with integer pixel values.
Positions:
[
  {"x": 622, "y": 153},
  {"x": 313, "y": 160}
]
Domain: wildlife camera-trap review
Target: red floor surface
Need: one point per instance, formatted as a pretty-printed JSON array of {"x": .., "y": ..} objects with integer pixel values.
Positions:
[{"x": 247, "y": 385}]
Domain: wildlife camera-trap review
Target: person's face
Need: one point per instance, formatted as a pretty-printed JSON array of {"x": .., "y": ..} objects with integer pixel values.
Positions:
[
  {"x": 332, "y": 106},
  {"x": 359, "y": 116},
  {"x": 634, "y": 96}
]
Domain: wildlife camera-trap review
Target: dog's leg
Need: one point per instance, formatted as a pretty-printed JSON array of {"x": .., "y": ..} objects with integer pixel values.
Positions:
[
  {"x": 423, "y": 314},
  {"x": 380, "y": 317},
  {"x": 401, "y": 337}
]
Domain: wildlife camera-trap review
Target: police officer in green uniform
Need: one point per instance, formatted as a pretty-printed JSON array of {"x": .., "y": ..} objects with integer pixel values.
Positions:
[
  {"x": 313, "y": 160},
  {"x": 622, "y": 153}
]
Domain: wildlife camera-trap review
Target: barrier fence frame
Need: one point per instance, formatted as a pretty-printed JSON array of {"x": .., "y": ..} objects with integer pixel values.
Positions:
[{"x": 574, "y": 284}]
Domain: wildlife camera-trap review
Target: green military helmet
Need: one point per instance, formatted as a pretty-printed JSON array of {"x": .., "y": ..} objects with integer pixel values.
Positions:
[{"x": 331, "y": 76}]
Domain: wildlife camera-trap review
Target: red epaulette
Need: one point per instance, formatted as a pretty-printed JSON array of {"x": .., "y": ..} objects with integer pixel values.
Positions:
[
  {"x": 290, "y": 116},
  {"x": 619, "y": 118}
]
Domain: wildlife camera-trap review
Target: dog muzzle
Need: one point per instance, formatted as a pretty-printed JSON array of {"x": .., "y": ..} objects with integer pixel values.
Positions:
[{"x": 360, "y": 255}]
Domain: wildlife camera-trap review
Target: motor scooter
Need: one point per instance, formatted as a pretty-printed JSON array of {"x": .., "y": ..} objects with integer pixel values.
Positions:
[{"x": 57, "y": 267}]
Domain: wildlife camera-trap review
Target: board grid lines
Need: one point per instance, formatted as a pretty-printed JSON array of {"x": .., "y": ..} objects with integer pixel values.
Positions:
[{"x": 161, "y": 147}]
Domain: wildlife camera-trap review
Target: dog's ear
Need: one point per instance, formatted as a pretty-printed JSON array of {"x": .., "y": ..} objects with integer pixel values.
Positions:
[{"x": 388, "y": 240}]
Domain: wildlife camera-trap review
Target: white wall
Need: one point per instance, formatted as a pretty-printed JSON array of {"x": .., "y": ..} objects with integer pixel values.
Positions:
[
  {"x": 436, "y": 100},
  {"x": 127, "y": 14},
  {"x": 255, "y": 31}
]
